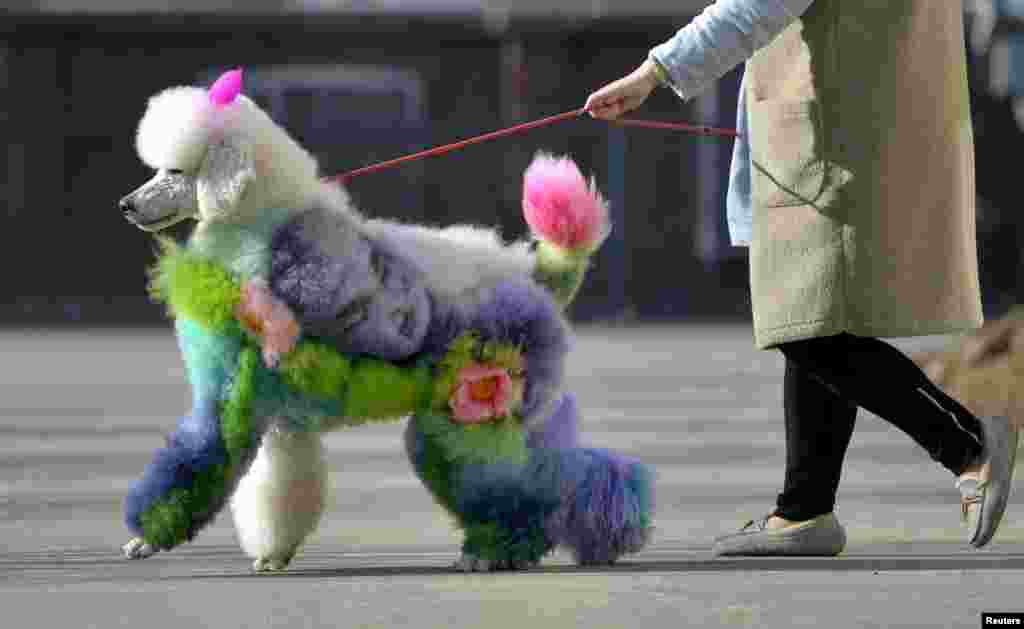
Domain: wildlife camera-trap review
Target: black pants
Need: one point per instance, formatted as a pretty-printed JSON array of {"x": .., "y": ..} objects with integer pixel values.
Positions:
[{"x": 826, "y": 380}]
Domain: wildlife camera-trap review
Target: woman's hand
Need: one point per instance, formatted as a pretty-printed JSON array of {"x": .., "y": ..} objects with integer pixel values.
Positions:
[{"x": 625, "y": 94}]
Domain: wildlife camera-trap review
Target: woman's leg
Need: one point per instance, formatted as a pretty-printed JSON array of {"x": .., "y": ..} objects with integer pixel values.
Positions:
[
  {"x": 826, "y": 379},
  {"x": 879, "y": 378},
  {"x": 819, "y": 424}
]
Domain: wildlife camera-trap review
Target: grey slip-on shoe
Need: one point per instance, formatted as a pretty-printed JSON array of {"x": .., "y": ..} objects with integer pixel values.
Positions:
[
  {"x": 822, "y": 536},
  {"x": 983, "y": 501}
]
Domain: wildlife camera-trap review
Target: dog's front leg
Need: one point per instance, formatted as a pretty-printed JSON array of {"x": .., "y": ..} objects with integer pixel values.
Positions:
[
  {"x": 190, "y": 479},
  {"x": 182, "y": 487},
  {"x": 279, "y": 501}
]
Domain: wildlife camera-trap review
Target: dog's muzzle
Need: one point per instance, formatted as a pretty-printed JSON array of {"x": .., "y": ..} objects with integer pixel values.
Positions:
[
  {"x": 137, "y": 218},
  {"x": 128, "y": 211}
]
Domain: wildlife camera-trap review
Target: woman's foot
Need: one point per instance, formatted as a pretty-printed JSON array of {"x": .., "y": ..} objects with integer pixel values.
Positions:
[
  {"x": 779, "y": 522},
  {"x": 772, "y": 535},
  {"x": 985, "y": 485}
]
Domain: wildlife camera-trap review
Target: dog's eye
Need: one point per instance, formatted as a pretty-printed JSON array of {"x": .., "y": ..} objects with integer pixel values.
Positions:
[{"x": 174, "y": 171}]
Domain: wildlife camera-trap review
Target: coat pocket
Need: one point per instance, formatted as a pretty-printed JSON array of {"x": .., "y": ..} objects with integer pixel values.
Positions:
[{"x": 788, "y": 168}]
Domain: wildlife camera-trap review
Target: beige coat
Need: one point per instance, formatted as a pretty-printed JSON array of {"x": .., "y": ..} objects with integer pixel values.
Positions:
[{"x": 863, "y": 174}]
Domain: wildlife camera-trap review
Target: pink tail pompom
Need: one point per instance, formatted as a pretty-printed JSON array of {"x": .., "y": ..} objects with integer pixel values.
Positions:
[{"x": 560, "y": 207}]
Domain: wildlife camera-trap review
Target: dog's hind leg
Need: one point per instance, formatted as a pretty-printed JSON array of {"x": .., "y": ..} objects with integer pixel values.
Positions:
[
  {"x": 280, "y": 501},
  {"x": 560, "y": 428}
]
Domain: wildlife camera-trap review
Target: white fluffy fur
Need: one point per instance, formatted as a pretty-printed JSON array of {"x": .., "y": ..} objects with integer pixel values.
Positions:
[
  {"x": 175, "y": 129},
  {"x": 457, "y": 259},
  {"x": 279, "y": 502},
  {"x": 180, "y": 124}
]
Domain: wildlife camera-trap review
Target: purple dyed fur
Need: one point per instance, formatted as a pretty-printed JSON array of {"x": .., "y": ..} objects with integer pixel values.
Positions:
[
  {"x": 560, "y": 429},
  {"x": 604, "y": 509},
  {"x": 326, "y": 290},
  {"x": 603, "y": 498},
  {"x": 347, "y": 289},
  {"x": 514, "y": 310}
]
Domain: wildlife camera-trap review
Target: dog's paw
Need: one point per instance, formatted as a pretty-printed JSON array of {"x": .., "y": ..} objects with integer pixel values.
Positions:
[
  {"x": 270, "y": 565},
  {"x": 472, "y": 563},
  {"x": 138, "y": 548}
]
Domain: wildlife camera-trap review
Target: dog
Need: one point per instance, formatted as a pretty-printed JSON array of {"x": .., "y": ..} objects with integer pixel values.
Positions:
[{"x": 296, "y": 316}]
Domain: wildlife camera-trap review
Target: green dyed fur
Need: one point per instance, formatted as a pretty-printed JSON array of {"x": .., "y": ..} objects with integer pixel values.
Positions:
[
  {"x": 195, "y": 288},
  {"x": 496, "y": 543},
  {"x": 491, "y": 442},
  {"x": 166, "y": 523},
  {"x": 464, "y": 350},
  {"x": 362, "y": 389},
  {"x": 561, "y": 270},
  {"x": 446, "y": 449},
  {"x": 236, "y": 425},
  {"x": 314, "y": 386},
  {"x": 224, "y": 363},
  {"x": 318, "y": 370},
  {"x": 437, "y": 473},
  {"x": 381, "y": 390},
  {"x": 448, "y": 446}
]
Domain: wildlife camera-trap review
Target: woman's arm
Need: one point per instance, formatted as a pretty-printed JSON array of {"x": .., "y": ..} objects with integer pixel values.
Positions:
[{"x": 726, "y": 34}]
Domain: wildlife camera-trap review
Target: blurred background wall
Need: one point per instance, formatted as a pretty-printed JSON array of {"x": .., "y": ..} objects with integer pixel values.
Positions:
[{"x": 362, "y": 81}]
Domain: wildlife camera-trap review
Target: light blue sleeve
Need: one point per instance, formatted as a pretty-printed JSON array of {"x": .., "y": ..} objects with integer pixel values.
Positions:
[
  {"x": 725, "y": 35},
  {"x": 738, "y": 210}
]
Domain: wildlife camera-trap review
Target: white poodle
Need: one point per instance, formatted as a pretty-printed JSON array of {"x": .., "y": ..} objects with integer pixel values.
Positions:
[{"x": 313, "y": 268}]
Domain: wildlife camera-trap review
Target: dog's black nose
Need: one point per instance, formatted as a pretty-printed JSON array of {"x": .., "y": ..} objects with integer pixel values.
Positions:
[{"x": 126, "y": 207}]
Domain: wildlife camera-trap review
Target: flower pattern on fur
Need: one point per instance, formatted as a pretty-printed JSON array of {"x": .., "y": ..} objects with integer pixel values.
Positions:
[
  {"x": 268, "y": 318},
  {"x": 479, "y": 381},
  {"x": 483, "y": 392}
]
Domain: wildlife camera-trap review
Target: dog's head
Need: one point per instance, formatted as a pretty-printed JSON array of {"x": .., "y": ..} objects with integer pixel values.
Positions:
[{"x": 216, "y": 156}]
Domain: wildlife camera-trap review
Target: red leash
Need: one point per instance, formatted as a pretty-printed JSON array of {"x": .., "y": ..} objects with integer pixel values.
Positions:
[
  {"x": 675, "y": 126},
  {"x": 438, "y": 150}
]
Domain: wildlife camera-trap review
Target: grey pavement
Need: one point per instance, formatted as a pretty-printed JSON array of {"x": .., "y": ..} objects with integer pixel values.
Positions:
[{"x": 81, "y": 411}]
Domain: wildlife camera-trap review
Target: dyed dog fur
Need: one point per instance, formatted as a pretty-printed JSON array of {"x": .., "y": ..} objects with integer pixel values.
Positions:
[{"x": 295, "y": 316}]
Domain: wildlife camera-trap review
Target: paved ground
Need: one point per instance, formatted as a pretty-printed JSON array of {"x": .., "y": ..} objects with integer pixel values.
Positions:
[{"x": 80, "y": 413}]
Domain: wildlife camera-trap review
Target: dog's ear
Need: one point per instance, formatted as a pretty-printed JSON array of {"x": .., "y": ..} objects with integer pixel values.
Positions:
[{"x": 226, "y": 171}]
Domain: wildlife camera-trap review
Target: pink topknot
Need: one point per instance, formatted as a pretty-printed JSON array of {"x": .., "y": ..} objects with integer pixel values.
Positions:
[
  {"x": 560, "y": 207},
  {"x": 225, "y": 90}
]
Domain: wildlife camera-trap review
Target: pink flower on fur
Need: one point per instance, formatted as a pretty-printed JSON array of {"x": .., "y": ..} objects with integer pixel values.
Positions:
[
  {"x": 269, "y": 318},
  {"x": 560, "y": 206},
  {"x": 481, "y": 392}
]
